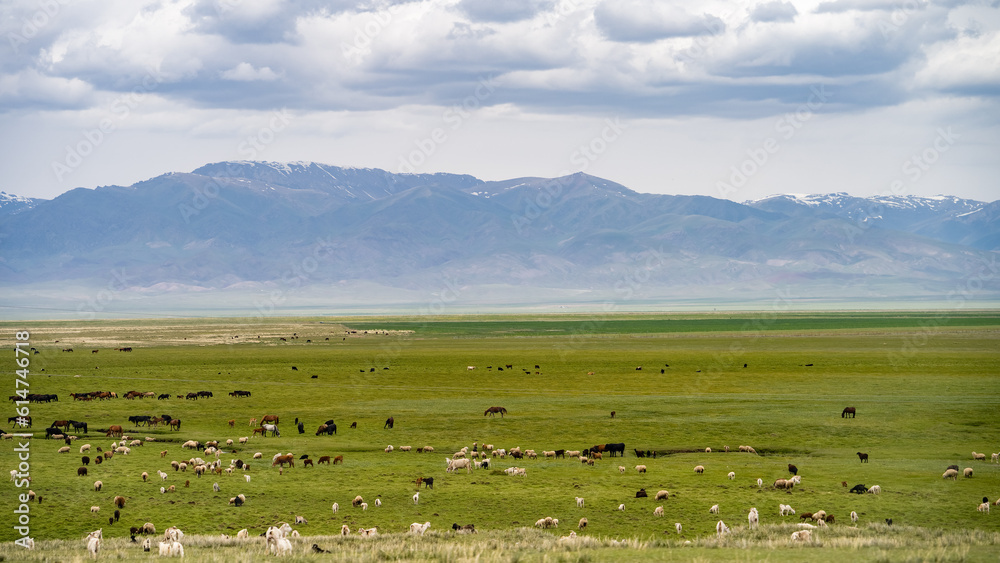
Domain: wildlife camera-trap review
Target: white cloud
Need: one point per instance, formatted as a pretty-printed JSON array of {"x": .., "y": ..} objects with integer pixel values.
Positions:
[{"x": 245, "y": 72}]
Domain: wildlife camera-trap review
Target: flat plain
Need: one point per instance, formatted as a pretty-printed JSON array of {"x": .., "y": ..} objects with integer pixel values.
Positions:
[{"x": 925, "y": 385}]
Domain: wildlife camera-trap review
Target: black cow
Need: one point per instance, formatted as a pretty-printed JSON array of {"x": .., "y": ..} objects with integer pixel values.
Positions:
[
  {"x": 618, "y": 448},
  {"x": 859, "y": 489},
  {"x": 641, "y": 494},
  {"x": 792, "y": 469},
  {"x": 302, "y": 428}
]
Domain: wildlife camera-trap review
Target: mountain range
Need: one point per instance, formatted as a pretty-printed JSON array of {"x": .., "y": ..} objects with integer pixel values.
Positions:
[{"x": 312, "y": 229}]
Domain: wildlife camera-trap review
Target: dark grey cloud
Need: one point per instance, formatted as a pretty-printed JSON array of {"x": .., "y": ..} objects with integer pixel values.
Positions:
[
  {"x": 501, "y": 11},
  {"x": 774, "y": 12}
]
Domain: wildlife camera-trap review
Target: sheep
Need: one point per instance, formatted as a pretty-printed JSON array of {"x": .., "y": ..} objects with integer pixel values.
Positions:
[
  {"x": 64, "y": 450},
  {"x": 416, "y": 497},
  {"x": 570, "y": 537},
  {"x": 247, "y": 477},
  {"x": 699, "y": 468},
  {"x": 540, "y": 523},
  {"x": 708, "y": 450},
  {"x": 95, "y": 509},
  {"x": 378, "y": 502},
  {"x": 714, "y": 509},
  {"x": 661, "y": 494},
  {"x": 418, "y": 528},
  {"x": 582, "y": 524},
  {"x": 802, "y": 535},
  {"x": 364, "y": 506},
  {"x": 732, "y": 475},
  {"x": 796, "y": 480},
  {"x": 721, "y": 528},
  {"x": 301, "y": 520},
  {"x": 344, "y": 530},
  {"x": 978, "y": 457},
  {"x": 98, "y": 485},
  {"x": 621, "y": 469},
  {"x": 163, "y": 476},
  {"x": 950, "y": 474},
  {"x": 785, "y": 510},
  {"x": 388, "y": 449},
  {"x": 967, "y": 472},
  {"x": 621, "y": 507},
  {"x": 677, "y": 525},
  {"x": 854, "y": 517},
  {"x": 640, "y": 468},
  {"x": 753, "y": 518},
  {"x": 658, "y": 511},
  {"x": 357, "y": 501},
  {"x": 85, "y": 448},
  {"x": 819, "y": 515},
  {"x": 579, "y": 502},
  {"x": 760, "y": 483},
  {"x": 984, "y": 507},
  {"x": 148, "y": 528},
  {"x": 875, "y": 490}
]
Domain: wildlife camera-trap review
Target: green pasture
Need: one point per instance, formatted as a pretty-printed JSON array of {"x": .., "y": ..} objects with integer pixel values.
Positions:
[{"x": 926, "y": 387}]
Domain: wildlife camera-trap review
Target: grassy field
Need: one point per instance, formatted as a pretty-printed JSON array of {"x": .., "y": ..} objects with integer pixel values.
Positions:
[{"x": 926, "y": 387}]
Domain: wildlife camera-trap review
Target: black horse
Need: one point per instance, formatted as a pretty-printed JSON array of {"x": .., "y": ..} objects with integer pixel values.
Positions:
[{"x": 77, "y": 426}]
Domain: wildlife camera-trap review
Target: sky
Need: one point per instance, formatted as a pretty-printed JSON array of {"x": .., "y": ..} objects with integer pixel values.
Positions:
[{"x": 736, "y": 100}]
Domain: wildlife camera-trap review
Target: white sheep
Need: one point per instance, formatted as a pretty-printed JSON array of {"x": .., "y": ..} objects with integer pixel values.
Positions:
[
  {"x": 760, "y": 483},
  {"x": 640, "y": 468},
  {"x": 579, "y": 502},
  {"x": 984, "y": 507},
  {"x": 243, "y": 534},
  {"x": 978, "y": 457},
  {"x": 364, "y": 506},
  {"x": 85, "y": 448},
  {"x": 301, "y": 520},
  {"x": 802, "y": 535},
  {"x": 247, "y": 477},
  {"x": 796, "y": 479},
  {"x": 94, "y": 509},
  {"x": 658, "y": 511},
  {"x": 950, "y": 474},
  {"x": 621, "y": 507},
  {"x": 344, "y": 530},
  {"x": 416, "y": 497},
  {"x": 708, "y": 450},
  {"x": 967, "y": 472},
  {"x": 582, "y": 524},
  {"x": 714, "y": 509},
  {"x": 678, "y": 526},
  {"x": 258, "y": 455},
  {"x": 335, "y": 507},
  {"x": 388, "y": 448},
  {"x": 854, "y": 517},
  {"x": 418, "y": 528},
  {"x": 378, "y": 502},
  {"x": 732, "y": 475},
  {"x": 699, "y": 468},
  {"x": 785, "y": 509},
  {"x": 621, "y": 469},
  {"x": 995, "y": 458},
  {"x": 64, "y": 450},
  {"x": 721, "y": 528},
  {"x": 875, "y": 490},
  {"x": 661, "y": 494},
  {"x": 98, "y": 485},
  {"x": 753, "y": 518}
]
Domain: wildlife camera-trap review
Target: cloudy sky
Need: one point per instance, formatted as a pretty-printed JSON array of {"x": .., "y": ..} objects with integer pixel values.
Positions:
[{"x": 727, "y": 99}]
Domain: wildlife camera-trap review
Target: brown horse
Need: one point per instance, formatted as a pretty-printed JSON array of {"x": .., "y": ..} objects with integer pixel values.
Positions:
[
  {"x": 848, "y": 411},
  {"x": 389, "y": 422},
  {"x": 272, "y": 418},
  {"x": 283, "y": 459},
  {"x": 492, "y": 411},
  {"x": 115, "y": 430},
  {"x": 175, "y": 424}
]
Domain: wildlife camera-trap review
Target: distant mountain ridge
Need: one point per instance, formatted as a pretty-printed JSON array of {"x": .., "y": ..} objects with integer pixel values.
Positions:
[{"x": 307, "y": 225}]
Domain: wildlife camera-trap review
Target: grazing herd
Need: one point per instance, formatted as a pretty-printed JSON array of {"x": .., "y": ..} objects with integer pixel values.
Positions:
[{"x": 277, "y": 537}]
